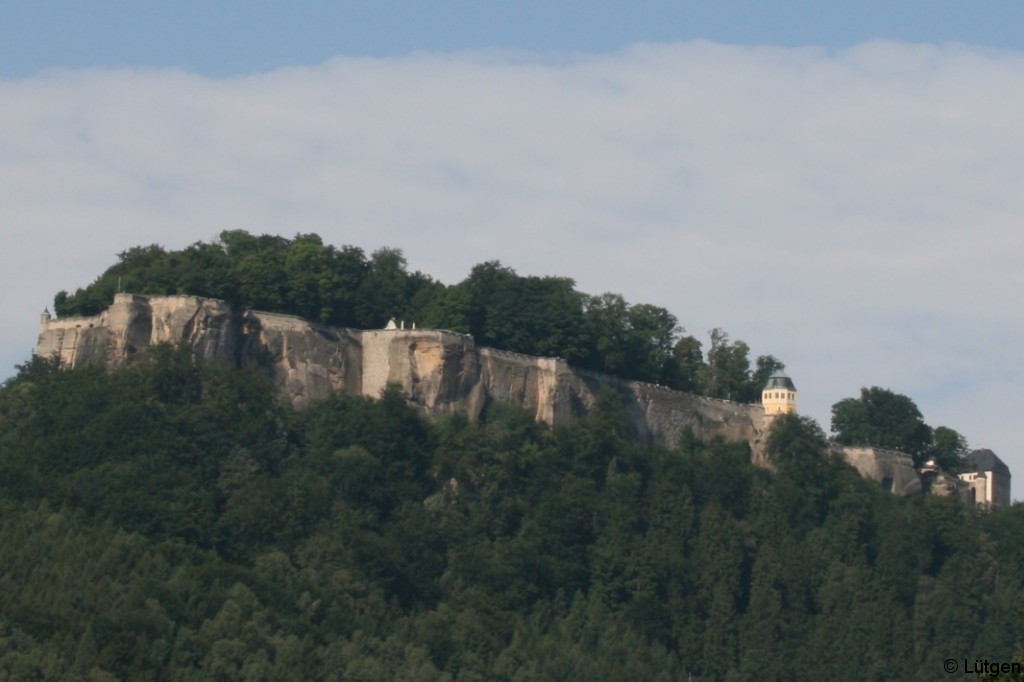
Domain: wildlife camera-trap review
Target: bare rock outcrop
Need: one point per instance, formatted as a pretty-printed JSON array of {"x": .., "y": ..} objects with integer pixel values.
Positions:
[
  {"x": 308, "y": 361},
  {"x": 440, "y": 371},
  {"x": 893, "y": 470},
  {"x": 133, "y": 323}
]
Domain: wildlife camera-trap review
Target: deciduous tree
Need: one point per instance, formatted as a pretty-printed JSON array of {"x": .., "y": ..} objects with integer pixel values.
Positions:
[{"x": 882, "y": 419}]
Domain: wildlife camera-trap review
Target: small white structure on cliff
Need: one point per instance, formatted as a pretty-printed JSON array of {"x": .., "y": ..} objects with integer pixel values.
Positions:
[{"x": 779, "y": 395}]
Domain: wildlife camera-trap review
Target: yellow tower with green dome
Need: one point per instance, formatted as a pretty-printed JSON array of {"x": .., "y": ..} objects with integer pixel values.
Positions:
[{"x": 779, "y": 394}]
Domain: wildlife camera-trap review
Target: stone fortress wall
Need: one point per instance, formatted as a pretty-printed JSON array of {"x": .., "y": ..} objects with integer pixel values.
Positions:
[
  {"x": 134, "y": 322},
  {"x": 440, "y": 371},
  {"x": 893, "y": 470}
]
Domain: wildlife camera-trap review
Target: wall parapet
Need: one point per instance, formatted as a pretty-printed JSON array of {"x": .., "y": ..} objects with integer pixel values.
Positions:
[{"x": 513, "y": 355}]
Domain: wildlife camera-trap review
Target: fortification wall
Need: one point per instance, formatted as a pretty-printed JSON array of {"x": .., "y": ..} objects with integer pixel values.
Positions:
[
  {"x": 538, "y": 384},
  {"x": 893, "y": 470},
  {"x": 376, "y": 361},
  {"x": 208, "y": 326},
  {"x": 668, "y": 413},
  {"x": 439, "y": 370},
  {"x": 61, "y": 340},
  {"x": 133, "y": 323},
  {"x": 308, "y": 361},
  {"x": 434, "y": 367}
]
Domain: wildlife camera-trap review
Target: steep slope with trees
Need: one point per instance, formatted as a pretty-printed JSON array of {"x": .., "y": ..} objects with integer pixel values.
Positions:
[
  {"x": 176, "y": 521},
  {"x": 173, "y": 521}
]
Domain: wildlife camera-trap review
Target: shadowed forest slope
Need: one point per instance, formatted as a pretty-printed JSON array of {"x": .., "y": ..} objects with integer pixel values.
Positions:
[{"x": 175, "y": 521}]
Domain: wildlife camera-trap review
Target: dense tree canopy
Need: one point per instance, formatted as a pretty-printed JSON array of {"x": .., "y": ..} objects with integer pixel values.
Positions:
[
  {"x": 881, "y": 418},
  {"x": 949, "y": 449},
  {"x": 543, "y": 316},
  {"x": 885, "y": 419},
  {"x": 175, "y": 518}
]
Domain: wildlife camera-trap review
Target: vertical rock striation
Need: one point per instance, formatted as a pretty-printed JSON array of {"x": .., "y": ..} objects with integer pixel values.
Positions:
[{"x": 440, "y": 371}]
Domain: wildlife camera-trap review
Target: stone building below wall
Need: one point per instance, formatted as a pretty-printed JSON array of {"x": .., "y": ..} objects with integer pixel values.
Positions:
[{"x": 989, "y": 482}]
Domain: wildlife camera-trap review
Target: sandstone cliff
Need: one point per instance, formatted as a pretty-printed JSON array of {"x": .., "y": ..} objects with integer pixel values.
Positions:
[
  {"x": 438, "y": 370},
  {"x": 894, "y": 470},
  {"x": 135, "y": 322}
]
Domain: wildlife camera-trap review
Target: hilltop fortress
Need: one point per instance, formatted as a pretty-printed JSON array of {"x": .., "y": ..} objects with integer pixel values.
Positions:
[{"x": 440, "y": 371}]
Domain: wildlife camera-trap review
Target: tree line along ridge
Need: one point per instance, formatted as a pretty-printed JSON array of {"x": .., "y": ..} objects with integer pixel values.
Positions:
[{"x": 533, "y": 316}]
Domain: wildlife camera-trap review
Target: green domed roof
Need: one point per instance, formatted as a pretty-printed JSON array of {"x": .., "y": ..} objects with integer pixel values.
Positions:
[{"x": 779, "y": 379}]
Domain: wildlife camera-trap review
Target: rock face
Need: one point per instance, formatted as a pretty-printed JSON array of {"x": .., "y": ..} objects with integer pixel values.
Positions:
[
  {"x": 134, "y": 322},
  {"x": 440, "y": 371},
  {"x": 893, "y": 470},
  {"x": 308, "y": 361}
]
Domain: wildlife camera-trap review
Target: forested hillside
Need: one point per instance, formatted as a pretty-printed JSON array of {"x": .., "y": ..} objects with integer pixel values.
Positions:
[
  {"x": 169, "y": 521},
  {"x": 543, "y": 316}
]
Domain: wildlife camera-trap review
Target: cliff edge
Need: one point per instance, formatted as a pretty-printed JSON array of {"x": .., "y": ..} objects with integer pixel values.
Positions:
[{"x": 440, "y": 371}]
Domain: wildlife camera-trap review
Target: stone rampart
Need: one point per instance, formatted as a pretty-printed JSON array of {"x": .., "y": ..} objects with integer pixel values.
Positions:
[
  {"x": 893, "y": 470},
  {"x": 308, "y": 361},
  {"x": 439, "y": 370},
  {"x": 134, "y": 322}
]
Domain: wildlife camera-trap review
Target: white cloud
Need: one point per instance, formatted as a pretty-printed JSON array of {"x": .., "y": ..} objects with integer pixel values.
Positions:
[{"x": 854, "y": 213}]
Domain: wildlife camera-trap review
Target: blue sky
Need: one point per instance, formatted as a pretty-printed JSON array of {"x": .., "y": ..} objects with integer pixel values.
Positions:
[
  {"x": 234, "y": 37},
  {"x": 835, "y": 183}
]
